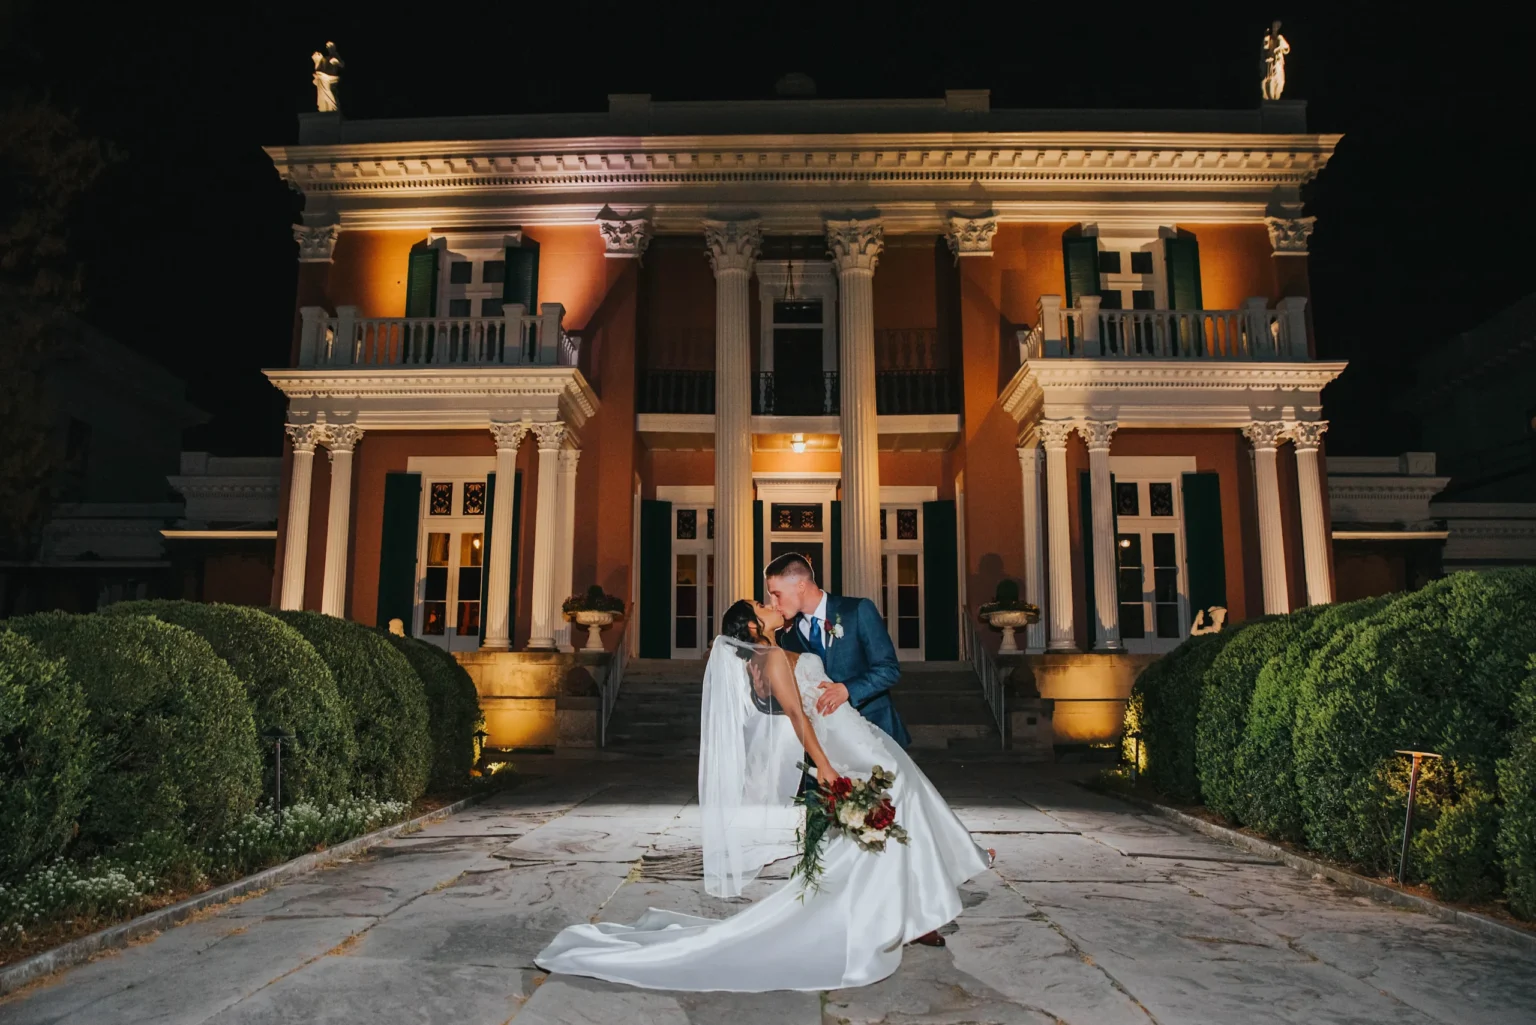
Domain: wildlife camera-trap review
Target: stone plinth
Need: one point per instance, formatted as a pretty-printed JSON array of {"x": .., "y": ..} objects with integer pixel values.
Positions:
[
  {"x": 538, "y": 699},
  {"x": 1089, "y": 691}
]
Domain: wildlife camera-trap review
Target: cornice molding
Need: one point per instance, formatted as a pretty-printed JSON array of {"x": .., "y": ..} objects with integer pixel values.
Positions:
[
  {"x": 1088, "y": 159},
  {"x": 1183, "y": 374},
  {"x": 427, "y": 396}
]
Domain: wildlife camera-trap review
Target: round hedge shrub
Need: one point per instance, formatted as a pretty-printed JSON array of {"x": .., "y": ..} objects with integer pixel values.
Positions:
[
  {"x": 453, "y": 708},
  {"x": 289, "y": 687},
  {"x": 45, "y": 754},
  {"x": 1264, "y": 764},
  {"x": 175, "y": 751},
  {"x": 1224, "y": 699},
  {"x": 385, "y": 699},
  {"x": 1517, "y": 788},
  {"x": 1165, "y": 705},
  {"x": 1438, "y": 670}
]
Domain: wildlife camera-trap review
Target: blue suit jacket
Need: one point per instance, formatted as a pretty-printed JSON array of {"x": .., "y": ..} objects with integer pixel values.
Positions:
[{"x": 863, "y": 660}]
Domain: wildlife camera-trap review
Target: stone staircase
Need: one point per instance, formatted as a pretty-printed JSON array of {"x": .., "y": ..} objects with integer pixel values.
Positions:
[{"x": 658, "y": 708}]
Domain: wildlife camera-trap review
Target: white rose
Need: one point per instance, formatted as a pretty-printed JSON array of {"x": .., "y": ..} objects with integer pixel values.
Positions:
[
  {"x": 837, "y": 630},
  {"x": 851, "y": 816},
  {"x": 871, "y": 836}
]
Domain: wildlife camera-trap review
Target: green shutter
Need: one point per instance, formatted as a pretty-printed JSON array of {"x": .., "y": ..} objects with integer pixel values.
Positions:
[
  {"x": 655, "y": 579},
  {"x": 515, "y": 552},
  {"x": 757, "y": 546},
  {"x": 1080, "y": 255},
  {"x": 397, "y": 549},
  {"x": 421, "y": 283},
  {"x": 521, "y": 284},
  {"x": 1085, "y": 520},
  {"x": 835, "y": 557},
  {"x": 941, "y": 581},
  {"x": 1182, "y": 257},
  {"x": 1204, "y": 547},
  {"x": 487, "y": 553}
]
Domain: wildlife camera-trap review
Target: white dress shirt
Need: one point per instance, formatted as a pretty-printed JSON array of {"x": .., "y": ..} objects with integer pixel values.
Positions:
[{"x": 819, "y": 617}]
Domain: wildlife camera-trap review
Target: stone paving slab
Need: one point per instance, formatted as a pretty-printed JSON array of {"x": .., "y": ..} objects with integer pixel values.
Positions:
[{"x": 1096, "y": 914}]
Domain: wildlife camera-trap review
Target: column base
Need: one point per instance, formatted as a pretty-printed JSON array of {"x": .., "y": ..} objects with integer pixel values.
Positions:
[
  {"x": 1068, "y": 650},
  {"x": 490, "y": 645}
]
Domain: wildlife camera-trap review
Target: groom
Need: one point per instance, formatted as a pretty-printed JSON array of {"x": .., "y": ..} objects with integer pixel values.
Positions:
[{"x": 847, "y": 633}]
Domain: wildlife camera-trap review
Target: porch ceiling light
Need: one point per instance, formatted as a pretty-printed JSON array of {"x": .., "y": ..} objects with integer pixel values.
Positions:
[{"x": 797, "y": 442}]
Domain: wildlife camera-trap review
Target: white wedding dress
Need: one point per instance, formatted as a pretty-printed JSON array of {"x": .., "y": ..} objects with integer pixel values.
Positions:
[{"x": 847, "y": 932}]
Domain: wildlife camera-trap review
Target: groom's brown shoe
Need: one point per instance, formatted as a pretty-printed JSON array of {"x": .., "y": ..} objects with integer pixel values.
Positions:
[{"x": 932, "y": 939}]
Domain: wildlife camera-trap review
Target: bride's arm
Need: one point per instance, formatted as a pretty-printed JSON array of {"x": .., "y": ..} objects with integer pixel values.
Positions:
[{"x": 782, "y": 681}]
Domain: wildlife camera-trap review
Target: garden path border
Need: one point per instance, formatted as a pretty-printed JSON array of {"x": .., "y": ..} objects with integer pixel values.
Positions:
[
  {"x": 1480, "y": 923},
  {"x": 116, "y": 937}
]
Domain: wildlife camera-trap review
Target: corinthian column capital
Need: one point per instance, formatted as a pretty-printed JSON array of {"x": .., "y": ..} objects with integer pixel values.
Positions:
[
  {"x": 316, "y": 241},
  {"x": 624, "y": 237},
  {"x": 856, "y": 244},
  {"x": 1097, "y": 433},
  {"x": 509, "y": 435},
  {"x": 1266, "y": 435},
  {"x": 550, "y": 435},
  {"x": 305, "y": 436},
  {"x": 971, "y": 236},
  {"x": 1307, "y": 435},
  {"x": 733, "y": 245},
  {"x": 1288, "y": 235},
  {"x": 1053, "y": 434},
  {"x": 342, "y": 437}
]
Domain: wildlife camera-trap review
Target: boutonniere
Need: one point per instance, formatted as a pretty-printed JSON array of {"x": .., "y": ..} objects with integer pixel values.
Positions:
[{"x": 836, "y": 629}]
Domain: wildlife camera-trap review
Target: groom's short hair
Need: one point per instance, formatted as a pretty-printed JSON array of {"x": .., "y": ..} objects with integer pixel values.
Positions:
[{"x": 791, "y": 565}]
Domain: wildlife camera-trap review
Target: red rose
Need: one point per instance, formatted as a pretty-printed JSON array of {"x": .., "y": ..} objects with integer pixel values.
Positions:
[
  {"x": 881, "y": 817},
  {"x": 840, "y": 787}
]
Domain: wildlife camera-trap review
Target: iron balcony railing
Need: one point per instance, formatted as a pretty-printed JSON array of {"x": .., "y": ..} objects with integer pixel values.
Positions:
[{"x": 796, "y": 393}]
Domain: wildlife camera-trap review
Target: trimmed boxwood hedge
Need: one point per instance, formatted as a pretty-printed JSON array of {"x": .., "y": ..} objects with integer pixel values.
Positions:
[
  {"x": 1224, "y": 700},
  {"x": 175, "y": 751},
  {"x": 386, "y": 700},
  {"x": 453, "y": 708},
  {"x": 1165, "y": 706},
  {"x": 1437, "y": 670},
  {"x": 1264, "y": 765},
  {"x": 289, "y": 686},
  {"x": 1517, "y": 787},
  {"x": 45, "y": 754}
]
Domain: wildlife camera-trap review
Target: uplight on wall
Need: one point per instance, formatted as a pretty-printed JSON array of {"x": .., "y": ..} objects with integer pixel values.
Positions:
[{"x": 797, "y": 442}]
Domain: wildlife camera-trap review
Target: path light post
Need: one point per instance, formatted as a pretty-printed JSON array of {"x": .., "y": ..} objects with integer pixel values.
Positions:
[
  {"x": 276, "y": 734},
  {"x": 1413, "y": 790},
  {"x": 1135, "y": 755},
  {"x": 480, "y": 738}
]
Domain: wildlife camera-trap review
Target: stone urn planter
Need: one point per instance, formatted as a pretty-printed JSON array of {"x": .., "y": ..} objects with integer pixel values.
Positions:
[
  {"x": 1008, "y": 622},
  {"x": 594, "y": 622}
]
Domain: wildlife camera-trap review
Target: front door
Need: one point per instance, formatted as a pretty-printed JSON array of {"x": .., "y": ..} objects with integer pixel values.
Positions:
[
  {"x": 799, "y": 382},
  {"x": 1149, "y": 550},
  {"x": 901, "y": 577},
  {"x": 693, "y": 580},
  {"x": 451, "y": 558}
]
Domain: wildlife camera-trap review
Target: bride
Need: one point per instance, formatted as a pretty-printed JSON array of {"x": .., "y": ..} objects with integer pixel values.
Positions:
[{"x": 759, "y": 714}]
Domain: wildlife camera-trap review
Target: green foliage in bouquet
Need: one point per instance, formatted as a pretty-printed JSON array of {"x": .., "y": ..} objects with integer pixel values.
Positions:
[{"x": 862, "y": 809}]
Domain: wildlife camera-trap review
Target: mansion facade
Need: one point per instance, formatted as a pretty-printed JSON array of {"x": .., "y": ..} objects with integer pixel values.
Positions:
[{"x": 929, "y": 344}]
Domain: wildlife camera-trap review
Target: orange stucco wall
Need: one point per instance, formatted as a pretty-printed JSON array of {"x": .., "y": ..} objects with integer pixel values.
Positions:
[
  {"x": 905, "y": 285},
  {"x": 370, "y": 269},
  {"x": 677, "y": 307},
  {"x": 1235, "y": 263}
]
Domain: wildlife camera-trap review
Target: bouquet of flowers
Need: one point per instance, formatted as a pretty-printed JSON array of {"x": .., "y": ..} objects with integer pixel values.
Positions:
[{"x": 860, "y": 808}]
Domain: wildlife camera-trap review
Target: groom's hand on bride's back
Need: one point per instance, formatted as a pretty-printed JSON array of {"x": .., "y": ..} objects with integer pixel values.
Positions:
[{"x": 833, "y": 696}]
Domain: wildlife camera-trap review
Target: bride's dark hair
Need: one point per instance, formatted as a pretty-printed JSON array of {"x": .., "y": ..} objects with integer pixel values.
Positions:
[{"x": 738, "y": 623}]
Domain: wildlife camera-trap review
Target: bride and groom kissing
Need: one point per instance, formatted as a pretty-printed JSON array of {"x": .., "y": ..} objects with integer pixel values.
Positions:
[{"x": 803, "y": 680}]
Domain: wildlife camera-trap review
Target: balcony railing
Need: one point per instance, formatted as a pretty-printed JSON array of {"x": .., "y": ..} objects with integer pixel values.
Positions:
[
  {"x": 796, "y": 393},
  {"x": 1088, "y": 332},
  {"x": 512, "y": 339}
]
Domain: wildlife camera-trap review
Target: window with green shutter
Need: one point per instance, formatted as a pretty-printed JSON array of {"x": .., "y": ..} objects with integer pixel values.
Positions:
[
  {"x": 836, "y": 558},
  {"x": 655, "y": 579},
  {"x": 397, "y": 549},
  {"x": 1182, "y": 258},
  {"x": 941, "y": 581},
  {"x": 1085, "y": 524},
  {"x": 421, "y": 283},
  {"x": 757, "y": 547},
  {"x": 521, "y": 283},
  {"x": 1080, "y": 256},
  {"x": 1204, "y": 543}
]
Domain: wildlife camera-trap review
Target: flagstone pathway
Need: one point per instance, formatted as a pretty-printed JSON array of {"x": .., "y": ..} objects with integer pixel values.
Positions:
[{"x": 1095, "y": 914}]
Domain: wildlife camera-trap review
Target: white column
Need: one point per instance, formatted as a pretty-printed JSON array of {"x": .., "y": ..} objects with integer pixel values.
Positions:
[
  {"x": 1034, "y": 550},
  {"x": 856, "y": 247},
  {"x": 1106, "y": 577},
  {"x": 546, "y": 528},
  {"x": 296, "y": 530},
  {"x": 340, "y": 440},
  {"x": 1053, "y": 435},
  {"x": 733, "y": 247},
  {"x": 1266, "y": 435},
  {"x": 498, "y": 595},
  {"x": 565, "y": 546},
  {"x": 1315, "y": 543}
]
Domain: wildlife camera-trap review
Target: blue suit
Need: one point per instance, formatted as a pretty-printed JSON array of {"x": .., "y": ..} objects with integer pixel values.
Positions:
[{"x": 863, "y": 660}]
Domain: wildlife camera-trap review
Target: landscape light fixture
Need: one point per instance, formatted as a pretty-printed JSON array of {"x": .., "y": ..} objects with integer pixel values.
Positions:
[{"x": 1413, "y": 790}]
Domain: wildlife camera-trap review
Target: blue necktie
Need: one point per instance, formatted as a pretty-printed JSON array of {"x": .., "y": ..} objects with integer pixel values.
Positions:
[{"x": 817, "y": 645}]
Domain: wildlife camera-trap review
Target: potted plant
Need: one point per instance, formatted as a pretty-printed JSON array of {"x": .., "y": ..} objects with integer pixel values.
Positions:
[
  {"x": 593, "y": 610},
  {"x": 1007, "y": 613}
]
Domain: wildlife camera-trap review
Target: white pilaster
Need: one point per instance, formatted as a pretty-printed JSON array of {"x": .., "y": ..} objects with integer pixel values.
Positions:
[
  {"x": 733, "y": 247},
  {"x": 1316, "y": 544},
  {"x": 296, "y": 533},
  {"x": 565, "y": 547},
  {"x": 1053, "y": 436},
  {"x": 1266, "y": 436},
  {"x": 856, "y": 247},
  {"x": 498, "y": 596},
  {"x": 545, "y": 613},
  {"x": 340, "y": 441},
  {"x": 1106, "y": 576},
  {"x": 1034, "y": 549}
]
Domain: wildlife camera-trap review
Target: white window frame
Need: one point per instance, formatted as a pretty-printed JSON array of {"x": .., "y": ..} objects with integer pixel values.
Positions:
[
  {"x": 474, "y": 248},
  {"x": 891, "y": 499},
  {"x": 701, "y": 498},
  {"x": 814, "y": 279},
  {"x": 456, "y": 469},
  {"x": 1144, "y": 470}
]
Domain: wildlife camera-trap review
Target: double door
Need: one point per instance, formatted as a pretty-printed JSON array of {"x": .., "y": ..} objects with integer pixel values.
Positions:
[
  {"x": 1149, "y": 559},
  {"x": 901, "y": 577},
  {"x": 693, "y": 580},
  {"x": 451, "y": 561}
]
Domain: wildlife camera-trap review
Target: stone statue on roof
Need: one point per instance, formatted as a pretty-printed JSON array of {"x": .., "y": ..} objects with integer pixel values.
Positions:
[
  {"x": 1275, "y": 49},
  {"x": 328, "y": 67}
]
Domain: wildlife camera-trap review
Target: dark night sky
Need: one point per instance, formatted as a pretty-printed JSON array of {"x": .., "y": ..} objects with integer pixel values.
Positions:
[{"x": 1424, "y": 225}]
